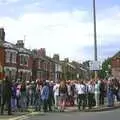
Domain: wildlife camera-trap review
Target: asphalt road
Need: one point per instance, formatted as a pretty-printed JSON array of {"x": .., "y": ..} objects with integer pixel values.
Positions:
[{"x": 109, "y": 115}]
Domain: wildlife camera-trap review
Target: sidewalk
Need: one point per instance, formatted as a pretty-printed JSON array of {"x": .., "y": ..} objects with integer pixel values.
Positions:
[
  {"x": 94, "y": 109},
  {"x": 15, "y": 116},
  {"x": 23, "y": 115}
]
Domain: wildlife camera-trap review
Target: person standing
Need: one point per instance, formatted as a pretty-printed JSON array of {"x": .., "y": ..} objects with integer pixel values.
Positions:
[
  {"x": 63, "y": 92},
  {"x": 56, "y": 94},
  {"x": 91, "y": 90},
  {"x": 45, "y": 96},
  {"x": 81, "y": 90},
  {"x": 110, "y": 93},
  {"x": 102, "y": 92},
  {"x": 97, "y": 93},
  {"x": 6, "y": 95}
]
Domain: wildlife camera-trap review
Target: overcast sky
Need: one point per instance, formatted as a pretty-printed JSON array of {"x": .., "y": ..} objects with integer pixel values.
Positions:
[{"x": 63, "y": 26}]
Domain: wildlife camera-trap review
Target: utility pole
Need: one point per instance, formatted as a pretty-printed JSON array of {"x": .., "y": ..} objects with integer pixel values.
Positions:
[{"x": 95, "y": 35}]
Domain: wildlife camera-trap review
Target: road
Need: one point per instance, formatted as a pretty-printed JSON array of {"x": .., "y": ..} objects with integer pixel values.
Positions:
[{"x": 109, "y": 115}]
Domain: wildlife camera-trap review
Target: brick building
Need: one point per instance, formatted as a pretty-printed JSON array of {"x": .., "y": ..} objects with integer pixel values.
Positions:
[
  {"x": 24, "y": 62},
  {"x": 16, "y": 60},
  {"x": 58, "y": 67},
  {"x": 68, "y": 70},
  {"x": 2, "y": 53},
  {"x": 42, "y": 65},
  {"x": 115, "y": 66}
]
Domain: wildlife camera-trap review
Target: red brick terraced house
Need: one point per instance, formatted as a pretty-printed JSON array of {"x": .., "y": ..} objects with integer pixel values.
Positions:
[
  {"x": 43, "y": 66},
  {"x": 58, "y": 68},
  {"x": 2, "y": 53},
  {"x": 115, "y": 65},
  {"x": 68, "y": 70},
  {"x": 10, "y": 57},
  {"x": 15, "y": 60},
  {"x": 24, "y": 62}
]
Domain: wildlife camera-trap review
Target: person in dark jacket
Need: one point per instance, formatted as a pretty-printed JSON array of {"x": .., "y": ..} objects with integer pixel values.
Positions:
[
  {"x": 6, "y": 95},
  {"x": 102, "y": 93},
  {"x": 51, "y": 96}
]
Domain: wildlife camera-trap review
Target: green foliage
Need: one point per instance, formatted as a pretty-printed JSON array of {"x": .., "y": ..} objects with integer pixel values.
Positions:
[{"x": 105, "y": 64}]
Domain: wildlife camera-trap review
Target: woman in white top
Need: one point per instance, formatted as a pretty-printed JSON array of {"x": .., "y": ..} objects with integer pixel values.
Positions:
[
  {"x": 56, "y": 94},
  {"x": 97, "y": 93}
]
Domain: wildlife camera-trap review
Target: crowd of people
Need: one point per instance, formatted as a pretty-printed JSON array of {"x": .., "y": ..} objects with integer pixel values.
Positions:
[{"x": 50, "y": 96}]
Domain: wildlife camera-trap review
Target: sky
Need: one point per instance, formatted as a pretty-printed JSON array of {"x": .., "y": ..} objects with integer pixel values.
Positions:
[{"x": 63, "y": 27}]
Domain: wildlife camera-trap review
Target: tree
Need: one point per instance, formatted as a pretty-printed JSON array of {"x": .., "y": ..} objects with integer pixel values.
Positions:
[{"x": 105, "y": 68}]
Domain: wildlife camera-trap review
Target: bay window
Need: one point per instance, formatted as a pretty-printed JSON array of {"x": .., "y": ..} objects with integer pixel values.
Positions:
[
  {"x": 7, "y": 56},
  {"x": 24, "y": 60}
]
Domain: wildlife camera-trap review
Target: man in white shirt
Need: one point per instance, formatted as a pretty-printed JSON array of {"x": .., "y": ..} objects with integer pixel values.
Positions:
[
  {"x": 81, "y": 90},
  {"x": 91, "y": 91}
]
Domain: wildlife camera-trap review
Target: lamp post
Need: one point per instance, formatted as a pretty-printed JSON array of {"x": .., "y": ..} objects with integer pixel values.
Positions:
[{"x": 95, "y": 35}]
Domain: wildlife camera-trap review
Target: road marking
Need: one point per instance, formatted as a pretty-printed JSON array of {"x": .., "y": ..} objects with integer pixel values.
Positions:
[{"x": 23, "y": 117}]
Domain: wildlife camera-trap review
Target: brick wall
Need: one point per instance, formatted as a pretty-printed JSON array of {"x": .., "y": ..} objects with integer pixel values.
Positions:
[{"x": 2, "y": 54}]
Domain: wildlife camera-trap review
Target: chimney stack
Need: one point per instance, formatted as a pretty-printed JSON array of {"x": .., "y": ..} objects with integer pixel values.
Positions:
[
  {"x": 42, "y": 52},
  {"x": 66, "y": 59},
  {"x": 20, "y": 44},
  {"x": 2, "y": 34},
  {"x": 56, "y": 57}
]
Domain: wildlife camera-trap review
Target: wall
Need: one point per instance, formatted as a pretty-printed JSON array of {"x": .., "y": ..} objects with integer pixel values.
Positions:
[{"x": 2, "y": 54}]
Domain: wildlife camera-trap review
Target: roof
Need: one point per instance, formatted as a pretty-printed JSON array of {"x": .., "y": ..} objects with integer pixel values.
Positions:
[
  {"x": 9, "y": 45},
  {"x": 24, "y": 50},
  {"x": 71, "y": 65},
  {"x": 116, "y": 55},
  {"x": 79, "y": 66}
]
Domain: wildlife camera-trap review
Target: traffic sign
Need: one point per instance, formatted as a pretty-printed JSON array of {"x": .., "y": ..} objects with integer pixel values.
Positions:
[{"x": 95, "y": 65}]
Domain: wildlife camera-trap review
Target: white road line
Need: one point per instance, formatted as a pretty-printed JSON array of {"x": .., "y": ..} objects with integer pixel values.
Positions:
[{"x": 23, "y": 117}]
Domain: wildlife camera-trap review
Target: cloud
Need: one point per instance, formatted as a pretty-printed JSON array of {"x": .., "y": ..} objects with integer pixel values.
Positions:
[
  {"x": 68, "y": 33},
  {"x": 8, "y": 1}
]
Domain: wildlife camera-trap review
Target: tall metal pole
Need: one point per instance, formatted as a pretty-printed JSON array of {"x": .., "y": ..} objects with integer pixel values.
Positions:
[{"x": 95, "y": 35}]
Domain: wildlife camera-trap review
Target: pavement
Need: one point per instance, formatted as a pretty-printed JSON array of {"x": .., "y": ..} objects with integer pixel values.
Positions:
[
  {"x": 71, "y": 110},
  {"x": 107, "y": 115}
]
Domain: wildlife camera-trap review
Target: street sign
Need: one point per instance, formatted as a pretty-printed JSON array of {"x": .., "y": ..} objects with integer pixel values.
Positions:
[{"x": 95, "y": 65}]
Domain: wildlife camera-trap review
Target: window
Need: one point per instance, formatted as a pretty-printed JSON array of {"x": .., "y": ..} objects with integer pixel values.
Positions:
[
  {"x": 21, "y": 59},
  {"x": 11, "y": 54},
  {"x": 7, "y": 56},
  {"x": 25, "y": 60},
  {"x": 39, "y": 64},
  {"x": 14, "y": 57},
  {"x": 13, "y": 74}
]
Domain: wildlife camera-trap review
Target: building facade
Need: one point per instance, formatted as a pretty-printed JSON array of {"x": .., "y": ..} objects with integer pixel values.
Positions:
[
  {"x": 2, "y": 53},
  {"x": 115, "y": 65},
  {"x": 58, "y": 68},
  {"x": 19, "y": 63},
  {"x": 43, "y": 65},
  {"x": 16, "y": 60},
  {"x": 69, "y": 70},
  {"x": 10, "y": 63},
  {"x": 24, "y": 62}
]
